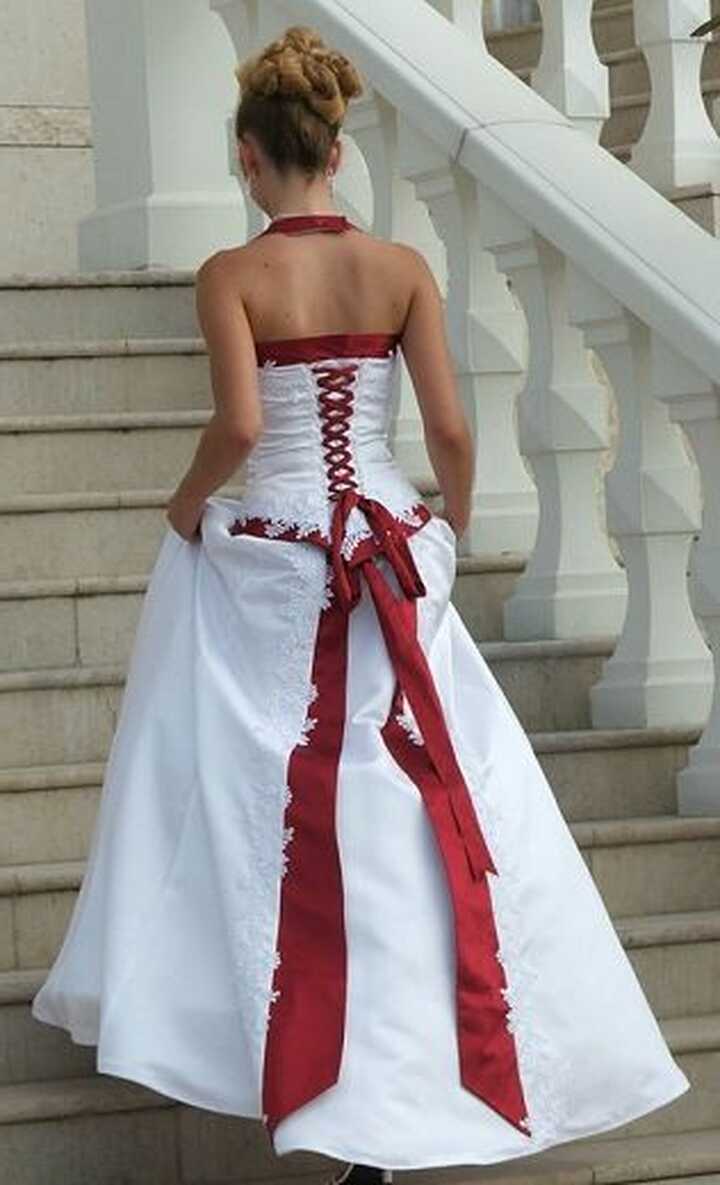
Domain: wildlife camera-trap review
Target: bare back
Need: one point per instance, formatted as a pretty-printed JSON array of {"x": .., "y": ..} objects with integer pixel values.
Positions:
[
  {"x": 314, "y": 283},
  {"x": 286, "y": 286}
]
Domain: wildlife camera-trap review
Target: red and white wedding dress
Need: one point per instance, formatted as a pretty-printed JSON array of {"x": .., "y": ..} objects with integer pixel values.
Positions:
[{"x": 329, "y": 886}]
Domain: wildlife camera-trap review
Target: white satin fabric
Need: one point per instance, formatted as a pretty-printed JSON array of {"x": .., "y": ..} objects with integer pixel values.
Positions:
[{"x": 167, "y": 963}]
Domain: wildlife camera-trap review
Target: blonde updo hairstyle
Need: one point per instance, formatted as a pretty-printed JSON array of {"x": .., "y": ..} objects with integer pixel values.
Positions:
[{"x": 294, "y": 95}]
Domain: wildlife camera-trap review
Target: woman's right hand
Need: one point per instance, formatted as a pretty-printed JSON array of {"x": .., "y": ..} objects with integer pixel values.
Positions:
[{"x": 458, "y": 522}]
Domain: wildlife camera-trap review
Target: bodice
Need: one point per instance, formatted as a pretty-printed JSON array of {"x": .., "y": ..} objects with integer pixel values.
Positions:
[
  {"x": 327, "y": 404},
  {"x": 327, "y": 407}
]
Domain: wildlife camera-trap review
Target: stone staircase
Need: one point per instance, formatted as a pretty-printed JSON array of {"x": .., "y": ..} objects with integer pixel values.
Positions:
[
  {"x": 519, "y": 48},
  {"x": 103, "y": 389}
]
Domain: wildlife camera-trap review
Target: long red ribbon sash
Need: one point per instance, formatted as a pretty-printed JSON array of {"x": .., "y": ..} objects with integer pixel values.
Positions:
[{"x": 306, "y": 1027}]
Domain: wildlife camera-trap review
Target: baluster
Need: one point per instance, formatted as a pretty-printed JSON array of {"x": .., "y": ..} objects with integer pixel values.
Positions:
[
  {"x": 660, "y": 672},
  {"x": 569, "y": 73},
  {"x": 694, "y": 401},
  {"x": 572, "y": 586},
  {"x": 486, "y": 341},
  {"x": 246, "y": 24},
  {"x": 373, "y": 125},
  {"x": 466, "y": 14},
  {"x": 678, "y": 145}
]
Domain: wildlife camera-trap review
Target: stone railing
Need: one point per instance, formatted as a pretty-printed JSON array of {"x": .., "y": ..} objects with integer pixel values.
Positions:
[
  {"x": 611, "y": 287},
  {"x": 571, "y": 284},
  {"x": 678, "y": 146}
]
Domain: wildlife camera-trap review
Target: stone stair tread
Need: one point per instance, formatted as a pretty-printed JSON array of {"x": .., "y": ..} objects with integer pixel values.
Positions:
[
  {"x": 548, "y": 648},
  {"x": 579, "y": 739},
  {"x": 98, "y": 347},
  {"x": 99, "y": 585},
  {"x": 41, "y": 877},
  {"x": 43, "y": 777},
  {"x": 698, "y": 925},
  {"x": 150, "y": 277},
  {"x": 567, "y": 741},
  {"x": 635, "y": 930},
  {"x": 643, "y": 829},
  {"x": 593, "y": 1161},
  {"x": 587, "y": 1161},
  {"x": 633, "y": 829},
  {"x": 110, "y": 499},
  {"x": 61, "y": 1098},
  {"x": 684, "y": 1034},
  {"x": 94, "y": 500},
  {"x": 103, "y": 421}
]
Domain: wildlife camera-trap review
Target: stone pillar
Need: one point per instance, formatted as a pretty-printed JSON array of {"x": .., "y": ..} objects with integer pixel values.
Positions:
[{"x": 162, "y": 88}]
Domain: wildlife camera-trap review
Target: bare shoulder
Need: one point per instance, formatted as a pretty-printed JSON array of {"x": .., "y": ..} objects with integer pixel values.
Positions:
[{"x": 219, "y": 266}]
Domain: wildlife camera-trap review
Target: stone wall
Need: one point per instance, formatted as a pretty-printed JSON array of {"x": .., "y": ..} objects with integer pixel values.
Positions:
[{"x": 46, "y": 179}]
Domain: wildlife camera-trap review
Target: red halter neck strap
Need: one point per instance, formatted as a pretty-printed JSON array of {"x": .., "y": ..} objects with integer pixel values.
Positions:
[{"x": 297, "y": 223}]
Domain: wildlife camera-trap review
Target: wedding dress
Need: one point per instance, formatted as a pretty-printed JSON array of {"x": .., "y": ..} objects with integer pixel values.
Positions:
[{"x": 329, "y": 886}]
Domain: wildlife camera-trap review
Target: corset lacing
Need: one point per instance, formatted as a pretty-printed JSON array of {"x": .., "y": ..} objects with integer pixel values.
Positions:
[{"x": 335, "y": 398}]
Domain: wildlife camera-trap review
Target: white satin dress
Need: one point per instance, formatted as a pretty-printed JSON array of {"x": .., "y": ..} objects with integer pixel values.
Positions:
[{"x": 329, "y": 886}]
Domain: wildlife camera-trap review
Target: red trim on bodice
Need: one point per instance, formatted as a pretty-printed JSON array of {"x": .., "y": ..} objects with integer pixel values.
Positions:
[{"x": 288, "y": 350}]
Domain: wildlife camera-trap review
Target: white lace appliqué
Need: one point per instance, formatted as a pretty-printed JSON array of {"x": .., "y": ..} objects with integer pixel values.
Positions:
[
  {"x": 544, "y": 1070},
  {"x": 406, "y": 720}
]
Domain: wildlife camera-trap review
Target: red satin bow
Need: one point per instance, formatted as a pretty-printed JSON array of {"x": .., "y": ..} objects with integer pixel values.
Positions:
[{"x": 305, "y": 1035}]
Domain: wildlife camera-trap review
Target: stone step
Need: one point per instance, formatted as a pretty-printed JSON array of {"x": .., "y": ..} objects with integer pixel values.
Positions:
[
  {"x": 101, "y": 1130},
  {"x": 65, "y": 454},
  {"x": 676, "y": 957},
  {"x": 676, "y": 954},
  {"x": 97, "y": 533},
  {"x": 77, "y": 306},
  {"x": 67, "y": 714},
  {"x": 691, "y": 1157},
  {"x": 46, "y": 536},
  {"x": 116, "y": 375},
  {"x": 614, "y": 773},
  {"x": 104, "y": 1130},
  {"x": 658, "y": 863},
  {"x": 91, "y": 621},
  {"x": 653, "y": 864},
  {"x": 34, "y": 1052},
  {"x": 548, "y": 683}
]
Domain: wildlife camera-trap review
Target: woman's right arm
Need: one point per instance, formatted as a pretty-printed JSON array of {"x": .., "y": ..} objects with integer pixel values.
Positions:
[{"x": 447, "y": 435}]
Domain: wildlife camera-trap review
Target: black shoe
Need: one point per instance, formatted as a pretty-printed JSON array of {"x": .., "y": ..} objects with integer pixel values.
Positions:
[{"x": 361, "y": 1174}]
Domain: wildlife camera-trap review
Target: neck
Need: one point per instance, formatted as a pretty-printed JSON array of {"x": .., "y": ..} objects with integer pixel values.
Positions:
[{"x": 298, "y": 213}]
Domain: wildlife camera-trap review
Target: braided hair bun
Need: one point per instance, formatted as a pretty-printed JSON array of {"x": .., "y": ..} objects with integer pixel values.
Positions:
[{"x": 299, "y": 65}]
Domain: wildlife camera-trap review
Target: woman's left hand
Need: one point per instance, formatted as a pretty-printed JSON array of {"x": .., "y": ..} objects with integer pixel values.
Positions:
[{"x": 185, "y": 517}]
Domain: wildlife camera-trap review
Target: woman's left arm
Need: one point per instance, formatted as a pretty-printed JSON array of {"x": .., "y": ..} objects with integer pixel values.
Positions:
[{"x": 233, "y": 429}]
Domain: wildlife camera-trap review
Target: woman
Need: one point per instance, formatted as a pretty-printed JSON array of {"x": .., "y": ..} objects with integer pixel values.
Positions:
[{"x": 329, "y": 885}]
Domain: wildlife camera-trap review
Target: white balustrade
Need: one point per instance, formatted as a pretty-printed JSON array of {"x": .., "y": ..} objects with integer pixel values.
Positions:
[
  {"x": 372, "y": 125},
  {"x": 506, "y": 14},
  {"x": 486, "y": 339},
  {"x": 466, "y": 14},
  {"x": 694, "y": 401},
  {"x": 678, "y": 145},
  {"x": 572, "y": 586},
  {"x": 661, "y": 671},
  {"x": 569, "y": 73}
]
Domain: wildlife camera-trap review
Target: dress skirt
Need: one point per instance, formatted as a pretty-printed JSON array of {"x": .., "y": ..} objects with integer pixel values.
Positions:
[{"x": 169, "y": 960}]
